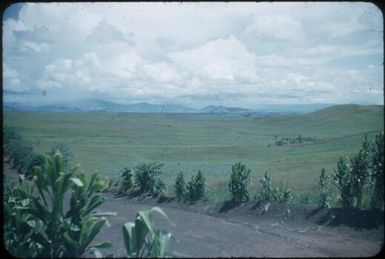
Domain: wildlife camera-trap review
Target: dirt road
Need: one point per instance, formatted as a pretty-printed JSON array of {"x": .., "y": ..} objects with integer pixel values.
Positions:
[{"x": 241, "y": 235}]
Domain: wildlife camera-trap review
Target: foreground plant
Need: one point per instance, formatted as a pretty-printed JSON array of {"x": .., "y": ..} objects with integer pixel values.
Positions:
[
  {"x": 124, "y": 183},
  {"x": 143, "y": 239},
  {"x": 239, "y": 180},
  {"x": 353, "y": 175},
  {"x": 147, "y": 178},
  {"x": 377, "y": 167},
  {"x": 180, "y": 186},
  {"x": 270, "y": 192},
  {"x": 196, "y": 187},
  {"x": 52, "y": 231},
  {"x": 323, "y": 182}
]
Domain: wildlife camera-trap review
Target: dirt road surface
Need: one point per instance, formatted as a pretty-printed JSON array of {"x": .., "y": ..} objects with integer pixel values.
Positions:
[{"x": 236, "y": 234}]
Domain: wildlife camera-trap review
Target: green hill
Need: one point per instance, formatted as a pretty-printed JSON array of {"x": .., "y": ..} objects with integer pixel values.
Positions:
[
  {"x": 108, "y": 142},
  {"x": 338, "y": 119}
]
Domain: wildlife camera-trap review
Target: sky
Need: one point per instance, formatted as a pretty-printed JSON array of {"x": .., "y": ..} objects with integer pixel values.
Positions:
[{"x": 195, "y": 54}]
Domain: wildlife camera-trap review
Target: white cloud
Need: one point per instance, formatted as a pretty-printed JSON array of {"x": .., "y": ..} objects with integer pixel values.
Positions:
[
  {"x": 27, "y": 46},
  {"x": 276, "y": 27},
  {"x": 261, "y": 52},
  {"x": 221, "y": 59},
  {"x": 11, "y": 77}
]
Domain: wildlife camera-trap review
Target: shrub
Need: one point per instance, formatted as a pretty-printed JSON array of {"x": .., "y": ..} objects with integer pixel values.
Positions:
[
  {"x": 351, "y": 178},
  {"x": 180, "y": 186},
  {"x": 147, "y": 177},
  {"x": 142, "y": 239},
  {"x": 17, "y": 149},
  {"x": 285, "y": 195},
  {"x": 196, "y": 187},
  {"x": 323, "y": 198},
  {"x": 30, "y": 162},
  {"x": 377, "y": 167},
  {"x": 238, "y": 182},
  {"x": 270, "y": 192},
  {"x": 343, "y": 182},
  {"x": 267, "y": 191},
  {"x": 39, "y": 216},
  {"x": 103, "y": 184},
  {"x": 20, "y": 228},
  {"x": 359, "y": 172},
  {"x": 66, "y": 152},
  {"x": 124, "y": 183}
]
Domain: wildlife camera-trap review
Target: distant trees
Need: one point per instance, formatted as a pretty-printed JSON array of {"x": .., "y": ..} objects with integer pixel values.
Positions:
[{"x": 294, "y": 140}]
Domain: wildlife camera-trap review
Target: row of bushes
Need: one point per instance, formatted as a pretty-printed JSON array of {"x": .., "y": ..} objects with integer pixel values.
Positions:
[
  {"x": 145, "y": 180},
  {"x": 22, "y": 155},
  {"x": 354, "y": 174}
]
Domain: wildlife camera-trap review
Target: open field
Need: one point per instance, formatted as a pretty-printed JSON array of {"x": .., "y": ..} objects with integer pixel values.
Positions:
[{"x": 107, "y": 142}]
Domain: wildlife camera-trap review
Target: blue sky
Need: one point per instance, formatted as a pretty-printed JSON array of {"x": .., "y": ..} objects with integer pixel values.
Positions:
[{"x": 194, "y": 54}]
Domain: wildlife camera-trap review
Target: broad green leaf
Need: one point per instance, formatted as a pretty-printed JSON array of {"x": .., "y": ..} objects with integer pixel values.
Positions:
[
  {"x": 77, "y": 181},
  {"x": 164, "y": 239},
  {"x": 31, "y": 223},
  {"x": 92, "y": 230},
  {"x": 128, "y": 238},
  {"x": 104, "y": 214},
  {"x": 145, "y": 218},
  {"x": 85, "y": 232},
  {"x": 161, "y": 212},
  {"x": 71, "y": 242},
  {"x": 94, "y": 203}
]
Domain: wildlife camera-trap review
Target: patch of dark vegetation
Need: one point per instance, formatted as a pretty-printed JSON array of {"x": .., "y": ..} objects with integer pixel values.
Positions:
[
  {"x": 353, "y": 217},
  {"x": 228, "y": 205},
  {"x": 293, "y": 140},
  {"x": 164, "y": 199}
]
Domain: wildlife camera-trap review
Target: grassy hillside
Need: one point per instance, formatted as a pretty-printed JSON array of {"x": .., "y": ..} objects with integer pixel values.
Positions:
[{"x": 212, "y": 143}]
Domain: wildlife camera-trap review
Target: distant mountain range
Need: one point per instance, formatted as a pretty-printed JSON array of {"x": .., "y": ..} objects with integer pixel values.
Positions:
[{"x": 97, "y": 105}]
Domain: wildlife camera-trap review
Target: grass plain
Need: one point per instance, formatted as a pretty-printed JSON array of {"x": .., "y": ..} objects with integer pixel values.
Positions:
[{"x": 108, "y": 142}]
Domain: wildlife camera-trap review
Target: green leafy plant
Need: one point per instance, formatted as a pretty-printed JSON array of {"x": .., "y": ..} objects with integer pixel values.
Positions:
[
  {"x": 180, "y": 186},
  {"x": 343, "y": 181},
  {"x": 359, "y": 172},
  {"x": 30, "y": 162},
  {"x": 21, "y": 230},
  {"x": 124, "y": 183},
  {"x": 16, "y": 148},
  {"x": 351, "y": 178},
  {"x": 269, "y": 192},
  {"x": 143, "y": 239},
  {"x": 286, "y": 195},
  {"x": 238, "y": 182},
  {"x": 323, "y": 182},
  {"x": 103, "y": 184},
  {"x": 66, "y": 152},
  {"x": 377, "y": 167},
  {"x": 147, "y": 178},
  {"x": 196, "y": 187},
  {"x": 56, "y": 232}
]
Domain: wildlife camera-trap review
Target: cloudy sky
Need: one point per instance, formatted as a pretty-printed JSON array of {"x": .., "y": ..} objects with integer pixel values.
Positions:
[{"x": 194, "y": 54}]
